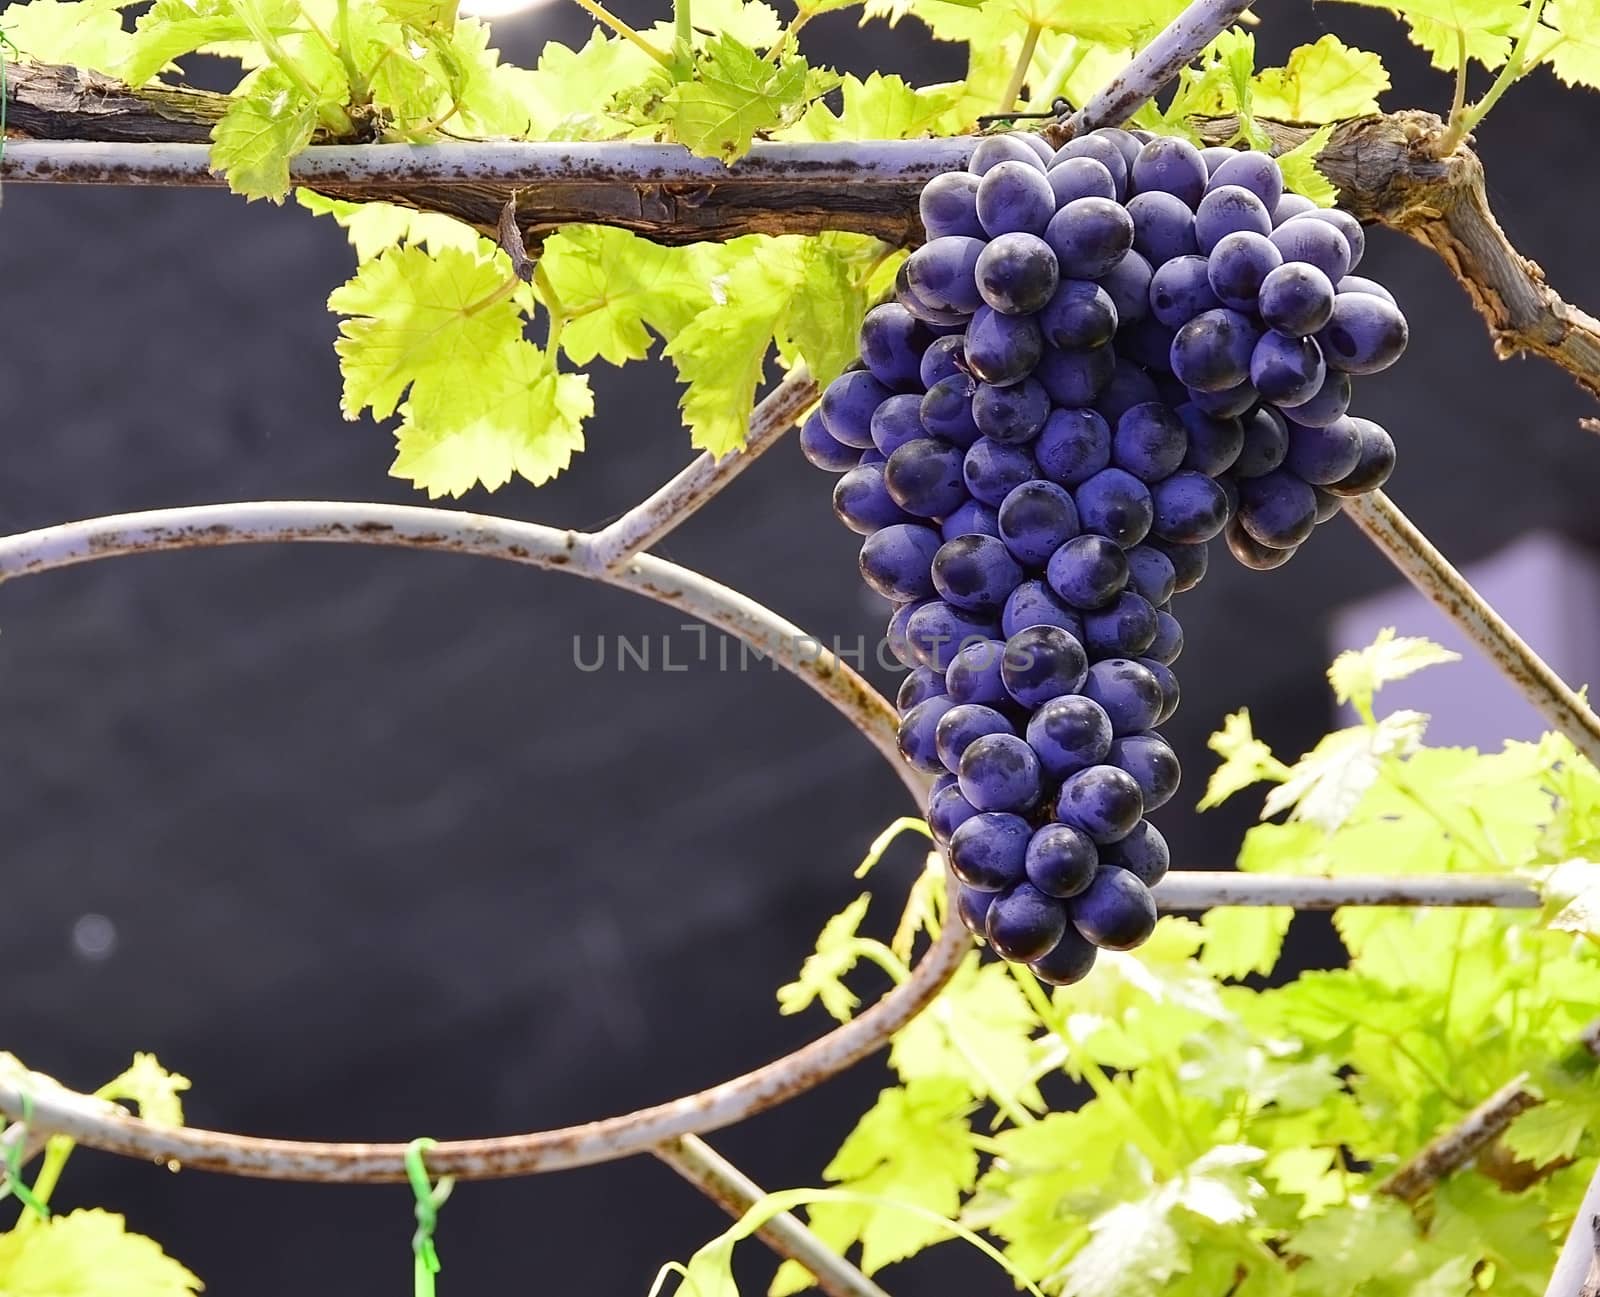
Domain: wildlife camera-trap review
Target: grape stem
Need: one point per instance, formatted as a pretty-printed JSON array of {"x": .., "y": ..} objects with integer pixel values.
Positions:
[
  {"x": 1463, "y": 125},
  {"x": 606, "y": 18},
  {"x": 1019, "y": 74}
]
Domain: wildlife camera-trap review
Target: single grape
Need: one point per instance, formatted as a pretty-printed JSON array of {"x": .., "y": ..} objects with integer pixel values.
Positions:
[
  {"x": 988, "y": 851},
  {"x": 1357, "y": 284},
  {"x": 897, "y": 561},
  {"x": 1033, "y": 603},
  {"x": 1171, "y": 695},
  {"x": 1116, "y": 913},
  {"x": 1102, "y": 801},
  {"x": 992, "y": 150},
  {"x": 1168, "y": 643},
  {"x": 1373, "y": 468},
  {"x": 1075, "y": 378},
  {"x": 946, "y": 410},
  {"x": 1017, "y": 272},
  {"x": 971, "y": 518},
  {"x": 863, "y": 504},
  {"x": 1015, "y": 198},
  {"x": 1354, "y": 236},
  {"x": 848, "y": 404},
  {"x": 1163, "y": 227},
  {"x": 944, "y": 273},
  {"x": 1069, "y": 733},
  {"x": 1286, "y": 371},
  {"x": 1151, "y": 575},
  {"x": 972, "y": 908},
  {"x": 1172, "y": 166},
  {"x": 1115, "y": 504},
  {"x": 1329, "y": 404},
  {"x": 992, "y": 470},
  {"x": 1251, "y": 553},
  {"x": 936, "y": 631},
  {"x": 944, "y": 358},
  {"x": 1128, "y": 386},
  {"x": 1266, "y": 442},
  {"x": 1024, "y": 924},
  {"x": 1213, "y": 350},
  {"x": 1011, "y": 415},
  {"x": 916, "y": 735},
  {"x": 1328, "y": 504},
  {"x": 1079, "y": 314},
  {"x": 1061, "y": 860},
  {"x": 1214, "y": 441},
  {"x": 1127, "y": 141},
  {"x": 949, "y": 206},
  {"x": 1036, "y": 519},
  {"x": 1323, "y": 455},
  {"x": 1214, "y": 155},
  {"x": 822, "y": 450},
  {"x": 1180, "y": 290},
  {"x": 1101, "y": 150},
  {"x": 895, "y": 635},
  {"x": 1187, "y": 508},
  {"x": 1041, "y": 663},
  {"x": 892, "y": 345},
  {"x": 919, "y": 684},
  {"x": 1150, "y": 441},
  {"x": 1251, "y": 170},
  {"x": 1088, "y": 572},
  {"x": 1366, "y": 334},
  {"x": 933, "y": 316},
  {"x": 1089, "y": 236},
  {"x": 1315, "y": 242},
  {"x": 1149, "y": 759},
  {"x": 1073, "y": 446},
  {"x": 1128, "y": 285},
  {"x": 1143, "y": 853},
  {"x": 1229, "y": 403},
  {"x": 1000, "y": 773},
  {"x": 1278, "y": 510},
  {"x": 1002, "y": 349},
  {"x": 1148, "y": 344},
  {"x": 1296, "y": 298},
  {"x": 1290, "y": 206},
  {"x": 1189, "y": 562},
  {"x": 962, "y": 726},
  {"x": 1074, "y": 178},
  {"x": 975, "y": 573},
  {"x": 948, "y": 810},
  {"x": 1240, "y": 264},
  {"x": 1129, "y": 692},
  {"x": 974, "y": 673},
  {"x": 897, "y": 421},
  {"x": 1070, "y": 960},
  {"x": 924, "y": 477},
  {"x": 1124, "y": 629},
  {"x": 1229, "y": 209},
  {"x": 1046, "y": 152}
]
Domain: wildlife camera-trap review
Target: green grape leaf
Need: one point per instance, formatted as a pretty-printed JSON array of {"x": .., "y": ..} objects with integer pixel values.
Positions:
[
  {"x": 1133, "y": 1251},
  {"x": 170, "y": 29},
  {"x": 508, "y": 412},
  {"x": 84, "y": 33},
  {"x": 490, "y": 97},
  {"x": 946, "y": 20},
  {"x": 263, "y": 128},
  {"x": 1349, "y": 1244},
  {"x": 1357, "y": 674},
  {"x": 1574, "y": 52},
  {"x": 1241, "y": 941},
  {"x": 567, "y": 93},
  {"x": 88, "y": 1254},
  {"x": 736, "y": 95},
  {"x": 823, "y": 973},
  {"x": 1326, "y": 784},
  {"x": 152, "y": 1087},
  {"x": 372, "y": 227},
  {"x": 1322, "y": 82},
  {"x": 1551, "y": 1131},
  {"x": 1126, "y": 24},
  {"x": 1300, "y": 174},
  {"x": 824, "y": 315},
  {"x": 1571, "y": 895},
  {"x": 750, "y": 22},
  {"x": 415, "y": 316},
  {"x": 1246, "y": 760},
  {"x": 879, "y": 108},
  {"x": 1440, "y": 26},
  {"x": 1310, "y": 1175}
]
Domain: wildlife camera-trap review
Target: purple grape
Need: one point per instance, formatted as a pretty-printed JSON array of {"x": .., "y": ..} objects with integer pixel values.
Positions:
[
  {"x": 1240, "y": 264},
  {"x": 1024, "y": 924},
  {"x": 944, "y": 273},
  {"x": 848, "y": 404},
  {"x": 1286, "y": 371},
  {"x": 1102, "y": 801},
  {"x": 1073, "y": 446},
  {"x": 862, "y": 503},
  {"x": 1061, "y": 860},
  {"x": 1115, "y": 504},
  {"x": 962, "y": 726},
  {"x": 1069, "y": 733},
  {"x": 1011, "y": 415},
  {"x": 1315, "y": 242},
  {"x": 1171, "y": 695},
  {"x": 1323, "y": 455},
  {"x": 1357, "y": 284},
  {"x": 1168, "y": 643},
  {"x": 1079, "y": 314},
  {"x": 1180, "y": 290},
  {"x": 946, "y": 410},
  {"x": 916, "y": 736},
  {"x": 1116, "y": 913},
  {"x": 1188, "y": 508},
  {"x": 1229, "y": 403},
  {"x": 919, "y": 684},
  {"x": 1214, "y": 441},
  {"x": 1328, "y": 504},
  {"x": 1041, "y": 663},
  {"x": 992, "y": 470},
  {"x": 1189, "y": 563},
  {"x": 992, "y": 150},
  {"x": 1296, "y": 298},
  {"x": 1036, "y": 519},
  {"x": 1015, "y": 198},
  {"x": 949, "y": 206},
  {"x": 1366, "y": 334},
  {"x": 895, "y": 635},
  {"x": 972, "y": 908},
  {"x": 974, "y": 673},
  {"x": 1214, "y": 155},
  {"x": 1213, "y": 350},
  {"x": 1150, "y": 441},
  {"x": 1125, "y": 629},
  {"x": 1151, "y": 575},
  {"x": 892, "y": 345},
  {"x": 1229, "y": 209},
  {"x": 1033, "y": 603},
  {"x": 896, "y": 561},
  {"x": 948, "y": 810},
  {"x": 1148, "y": 344},
  {"x": 1172, "y": 166},
  {"x": 935, "y": 632},
  {"x": 1143, "y": 853},
  {"x": 1251, "y": 553},
  {"x": 1000, "y": 773},
  {"x": 1329, "y": 404},
  {"x": 1290, "y": 206},
  {"x": 1266, "y": 442},
  {"x": 1355, "y": 237},
  {"x": 924, "y": 478},
  {"x": 988, "y": 851},
  {"x": 975, "y": 573},
  {"x": 1089, "y": 236},
  {"x": 1017, "y": 272},
  {"x": 1127, "y": 141},
  {"x": 1074, "y": 178},
  {"x": 1002, "y": 349},
  {"x": 1075, "y": 378},
  {"x": 1163, "y": 227},
  {"x": 1375, "y": 464},
  {"x": 820, "y": 448},
  {"x": 1128, "y": 284},
  {"x": 1152, "y": 763},
  {"x": 897, "y": 421},
  {"x": 1278, "y": 510},
  {"x": 1088, "y": 572},
  {"x": 1101, "y": 150},
  {"x": 934, "y": 317},
  {"x": 971, "y": 518},
  {"x": 1129, "y": 692},
  {"x": 1070, "y": 961},
  {"x": 1253, "y": 171},
  {"x": 944, "y": 358}
]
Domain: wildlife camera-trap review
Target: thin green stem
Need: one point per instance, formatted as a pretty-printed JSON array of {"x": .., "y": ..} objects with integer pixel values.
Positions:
[
  {"x": 875, "y": 952},
  {"x": 1514, "y": 67},
  {"x": 1458, "y": 102},
  {"x": 492, "y": 299},
  {"x": 553, "y": 307},
  {"x": 56, "y": 1152},
  {"x": 333, "y": 115},
  {"x": 683, "y": 36},
  {"x": 360, "y": 91},
  {"x": 606, "y": 18},
  {"x": 1019, "y": 74},
  {"x": 1055, "y": 81}
]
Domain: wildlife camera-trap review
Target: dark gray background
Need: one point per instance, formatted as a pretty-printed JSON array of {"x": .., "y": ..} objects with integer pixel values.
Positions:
[{"x": 381, "y": 862}]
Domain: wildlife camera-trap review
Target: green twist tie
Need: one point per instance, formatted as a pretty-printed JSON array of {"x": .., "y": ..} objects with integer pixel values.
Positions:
[
  {"x": 430, "y": 1198},
  {"x": 15, "y": 1186}
]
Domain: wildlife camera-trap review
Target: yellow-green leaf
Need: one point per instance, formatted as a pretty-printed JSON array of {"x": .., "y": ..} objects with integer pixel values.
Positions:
[
  {"x": 1300, "y": 174},
  {"x": 1246, "y": 760},
  {"x": 1323, "y": 82},
  {"x": 1357, "y": 674},
  {"x": 84, "y": 33},
  {"x": 263, "y": 128},
  {"x": 88, "y": 1254}
]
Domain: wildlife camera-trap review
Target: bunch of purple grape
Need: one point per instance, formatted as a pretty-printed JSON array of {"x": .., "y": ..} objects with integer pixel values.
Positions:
[{"x": 1105, "y": 356}]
